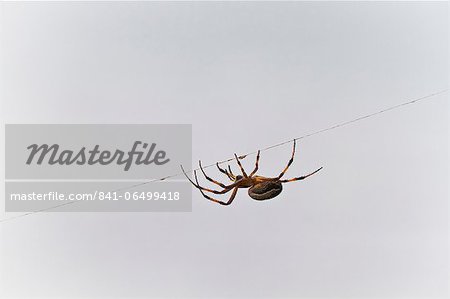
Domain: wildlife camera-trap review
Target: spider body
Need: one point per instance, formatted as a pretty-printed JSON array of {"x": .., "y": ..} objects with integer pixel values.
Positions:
[
  {"x": 259, "y": 187},
  {"x": 265, "y": 190}
]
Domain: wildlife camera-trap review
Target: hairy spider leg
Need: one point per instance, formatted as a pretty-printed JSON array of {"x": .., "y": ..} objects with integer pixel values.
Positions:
[
  {"x": 225, "y": 190},
  {"x": 289, "y": 163},
  {"x": 240, "y": 166},
  {"x": 230, "y": 200},
  {"x": 301, "y": 177},
  {"x": 231, "y": 172},
  {"x": 224, "y": 171},
  {"x": 208, "y": 178},
  {"x": 256, "y": 164}
]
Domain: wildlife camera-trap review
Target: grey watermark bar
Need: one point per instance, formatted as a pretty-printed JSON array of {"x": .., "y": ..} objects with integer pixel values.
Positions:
[
  {"x": 104, "y": 151},
  {"x": 92, "y": 168}
]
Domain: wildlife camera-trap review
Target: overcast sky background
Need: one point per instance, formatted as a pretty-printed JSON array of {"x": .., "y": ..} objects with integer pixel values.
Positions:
[{"x": 373, "y": 223}]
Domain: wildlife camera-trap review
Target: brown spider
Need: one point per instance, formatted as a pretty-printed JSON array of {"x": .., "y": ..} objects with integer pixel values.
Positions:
[{"x": 261, "y": 188}]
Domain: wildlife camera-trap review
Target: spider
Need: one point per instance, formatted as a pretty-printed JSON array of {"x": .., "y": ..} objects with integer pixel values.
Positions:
[{"x": 260, "y": 188}]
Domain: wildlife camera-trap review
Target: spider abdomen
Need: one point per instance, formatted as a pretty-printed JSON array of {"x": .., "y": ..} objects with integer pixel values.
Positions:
[{"x": 265, "y": 190}]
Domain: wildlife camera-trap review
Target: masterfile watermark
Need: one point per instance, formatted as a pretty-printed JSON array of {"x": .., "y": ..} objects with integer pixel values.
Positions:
[
  {"x": 98, "y": 165},
  {"x": 90, "y": 152},
  {"x": 94, "y": 156},
  {"x": 27, "y": 196}
]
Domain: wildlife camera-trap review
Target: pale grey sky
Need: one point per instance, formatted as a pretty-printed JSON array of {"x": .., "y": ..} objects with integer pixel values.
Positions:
[{"x": 373, "y": 223}]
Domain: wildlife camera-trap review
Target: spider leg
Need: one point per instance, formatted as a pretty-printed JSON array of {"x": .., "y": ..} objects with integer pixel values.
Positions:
[
  {"x": 289, "y": 163},
  {"x": 240, "y": 166},
  {"x": 256, "y": 164},
  {"x": 224, "y": 171},
  {"x": 225, "y": 190},
  {"x": 231, "y": 173},
  {"x": 230, "y": 200},
  {"x": 208, "y": 178},
  {"x": 301, "y": 177}
]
